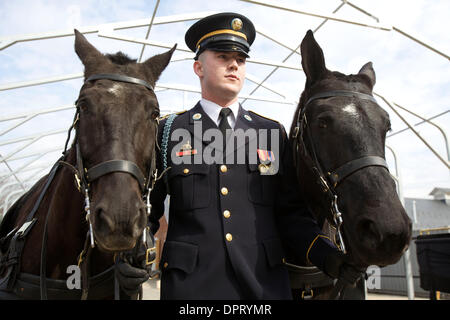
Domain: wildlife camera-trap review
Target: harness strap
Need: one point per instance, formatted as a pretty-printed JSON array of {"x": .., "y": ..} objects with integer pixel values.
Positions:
[
  {"x": 27, "y": 286},
  {"x": 43, "y": 267},
  {"x": 302, "y": 277},
  {"x": 341, "y": 93},
  {"x": 116, "y": 166},
  {"x": 120, "y": 77},
  {"x": 352, "y": 166},
  {"x": 44, "y": 190},
  {"x": 84, "y": 264}
]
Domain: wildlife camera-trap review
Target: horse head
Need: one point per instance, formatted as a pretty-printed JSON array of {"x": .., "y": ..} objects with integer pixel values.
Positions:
[
  {"x": 345, "y": 123},
  {"x": 117, "y": 126}
]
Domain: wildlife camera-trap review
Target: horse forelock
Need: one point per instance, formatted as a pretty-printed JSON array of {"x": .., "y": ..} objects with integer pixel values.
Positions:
[{"x": 120, "y": 58}]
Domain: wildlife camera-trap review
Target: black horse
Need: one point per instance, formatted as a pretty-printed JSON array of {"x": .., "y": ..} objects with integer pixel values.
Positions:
[
  {"x": 338, "y": 136},
  {"x": 106, "y": 173}
]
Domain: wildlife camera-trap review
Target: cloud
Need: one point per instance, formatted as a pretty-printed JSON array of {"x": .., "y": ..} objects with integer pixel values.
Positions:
[{"x": 407, "y": 73}]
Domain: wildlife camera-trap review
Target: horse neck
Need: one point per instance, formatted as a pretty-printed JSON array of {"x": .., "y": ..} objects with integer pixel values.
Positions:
[
  {"x": 312, "y": 191},
  {"x": 66, "y": 230},
  {"x": 70, "y": 228}
]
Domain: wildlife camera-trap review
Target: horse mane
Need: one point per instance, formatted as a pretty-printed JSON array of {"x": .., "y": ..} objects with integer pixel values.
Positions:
[
  {"x": 352, "y": 77},
  {"x": 120, "y": 58}
]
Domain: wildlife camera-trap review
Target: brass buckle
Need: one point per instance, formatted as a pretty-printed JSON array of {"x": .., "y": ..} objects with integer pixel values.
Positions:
[
  {"x": 307, "y": 294},
  {"x": 77, "y": 182},
  {"x": 147, "y": 254},
  {"x": 296, "y": 131}
]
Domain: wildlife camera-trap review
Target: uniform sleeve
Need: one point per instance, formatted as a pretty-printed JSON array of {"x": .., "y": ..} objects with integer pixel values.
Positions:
[
  {"x": 301, "y": 236},
  {"x": 159, "y": 192}
]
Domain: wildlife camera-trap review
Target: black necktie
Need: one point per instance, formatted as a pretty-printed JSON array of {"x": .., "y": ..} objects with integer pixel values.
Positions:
[{"x": 223, "y": 124}]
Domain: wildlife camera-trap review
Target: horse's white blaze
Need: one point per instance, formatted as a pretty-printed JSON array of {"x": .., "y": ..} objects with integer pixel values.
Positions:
[
  {"x": 351, "y": 110},
  {"x": 115, "y": 89}
]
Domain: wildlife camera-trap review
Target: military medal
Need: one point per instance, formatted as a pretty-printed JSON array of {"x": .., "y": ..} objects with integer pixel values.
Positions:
[
  {"x": 267, "y": 169},
  {"x": 266, "y": 155},
  {"x": 186, "y": 150},
  {"x": 263, "y": 168}
]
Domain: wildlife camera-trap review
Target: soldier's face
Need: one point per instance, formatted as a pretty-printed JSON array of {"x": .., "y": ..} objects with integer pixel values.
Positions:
[{"x": 221, "y": 74}]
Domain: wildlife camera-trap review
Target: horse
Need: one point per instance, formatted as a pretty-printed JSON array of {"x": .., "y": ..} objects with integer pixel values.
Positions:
[
  {"x": 107, "y": 173},
  {"x": 338, "y": 138}
]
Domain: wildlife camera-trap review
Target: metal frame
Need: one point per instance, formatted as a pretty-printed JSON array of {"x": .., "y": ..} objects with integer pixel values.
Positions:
[
  {"x": 9, "y": 189},
  {"x": 107, "y": 31}
]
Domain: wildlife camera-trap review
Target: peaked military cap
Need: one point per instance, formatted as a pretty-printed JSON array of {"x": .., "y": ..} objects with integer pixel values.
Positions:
[{"x": 221, "y": 32}]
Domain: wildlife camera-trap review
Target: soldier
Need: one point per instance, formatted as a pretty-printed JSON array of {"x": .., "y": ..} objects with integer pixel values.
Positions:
[{"x": 230, "y": 215}]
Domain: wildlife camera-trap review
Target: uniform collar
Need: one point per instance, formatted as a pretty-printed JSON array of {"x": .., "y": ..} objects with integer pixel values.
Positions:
[{"x": 213, "y": 109}]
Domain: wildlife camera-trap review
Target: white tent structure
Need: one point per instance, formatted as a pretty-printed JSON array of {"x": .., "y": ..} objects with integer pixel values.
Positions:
[{"x": 40, "y": 74}]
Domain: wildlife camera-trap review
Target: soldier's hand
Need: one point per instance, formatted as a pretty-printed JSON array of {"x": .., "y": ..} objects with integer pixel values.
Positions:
[
  {"x": 338, "y": 266},
  {"x": 130, "y": 278}
]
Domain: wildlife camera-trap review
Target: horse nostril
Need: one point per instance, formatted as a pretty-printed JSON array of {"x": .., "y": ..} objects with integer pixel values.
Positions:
[
  {"x": 139, "y": 222},
  {"x": 368, "y": 233},
  {"x": 103, "y": 221}
]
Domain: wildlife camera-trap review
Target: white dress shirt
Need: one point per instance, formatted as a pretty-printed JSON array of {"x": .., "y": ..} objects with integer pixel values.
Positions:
[{"x": 213, "y": 110}]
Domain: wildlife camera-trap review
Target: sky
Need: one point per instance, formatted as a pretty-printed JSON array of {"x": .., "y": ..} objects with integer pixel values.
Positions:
[{"x": 408, "y": 73}]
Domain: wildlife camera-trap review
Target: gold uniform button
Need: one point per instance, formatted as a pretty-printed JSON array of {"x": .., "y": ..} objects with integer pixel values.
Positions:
[
  {"x": 186, "y": 171},
  {"x": 166, "y": 264},
  {"x": 227, "y": 214},
  {"x": 229, "y": 237},
  {"x": 224, "y": 191},
  {"x": 223, "y": 168}
]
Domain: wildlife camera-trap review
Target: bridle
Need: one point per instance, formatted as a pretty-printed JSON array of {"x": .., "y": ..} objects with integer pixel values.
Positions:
[
  {"x": 84, "y": 176},
  {"x": 330, "y": 179}
]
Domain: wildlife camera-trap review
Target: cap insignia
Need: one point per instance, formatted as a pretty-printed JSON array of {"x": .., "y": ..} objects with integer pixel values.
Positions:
[{"x": 236, "y": 24}]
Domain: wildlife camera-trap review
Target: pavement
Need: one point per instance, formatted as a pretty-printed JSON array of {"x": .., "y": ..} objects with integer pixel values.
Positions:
[{"x": 152, "y": 287}]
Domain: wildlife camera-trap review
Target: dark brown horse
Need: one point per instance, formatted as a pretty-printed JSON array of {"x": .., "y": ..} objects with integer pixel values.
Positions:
[
  {"x": 108, "y": 168},
  {"x": 338, "y": 135}
]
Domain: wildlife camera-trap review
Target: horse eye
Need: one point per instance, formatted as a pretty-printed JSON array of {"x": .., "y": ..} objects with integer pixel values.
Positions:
[
  {"x": 82, "y": 107},
  {"x": 322, "y": 124},
  {"x": 155, "y": 114}
]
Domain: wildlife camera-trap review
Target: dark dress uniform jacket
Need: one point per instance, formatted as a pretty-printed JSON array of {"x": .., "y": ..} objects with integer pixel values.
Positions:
[{"x": 225, "y": 243}]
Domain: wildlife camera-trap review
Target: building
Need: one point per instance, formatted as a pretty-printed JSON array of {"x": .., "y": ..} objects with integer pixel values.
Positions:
[{"x": 429, "y": 216}]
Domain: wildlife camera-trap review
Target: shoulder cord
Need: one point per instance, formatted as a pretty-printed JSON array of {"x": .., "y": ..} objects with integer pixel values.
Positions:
[
  {"x": 165, "y": 145},
  {"x": 165, "y": 138}
]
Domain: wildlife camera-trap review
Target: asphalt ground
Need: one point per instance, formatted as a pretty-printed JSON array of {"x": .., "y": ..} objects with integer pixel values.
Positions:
[{"x": 151, "y": 292}]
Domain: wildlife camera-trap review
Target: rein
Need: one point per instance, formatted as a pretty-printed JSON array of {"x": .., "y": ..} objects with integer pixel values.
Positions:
[{"x": 330, "y": 179}]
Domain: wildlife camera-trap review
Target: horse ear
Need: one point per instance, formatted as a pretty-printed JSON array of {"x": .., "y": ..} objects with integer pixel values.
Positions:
[
  {"x": 158, "y": 63},
  {"x": 87, "y": 53},
  {"x": 368, "y": 71},
  {"x": 313, "y": 61}
]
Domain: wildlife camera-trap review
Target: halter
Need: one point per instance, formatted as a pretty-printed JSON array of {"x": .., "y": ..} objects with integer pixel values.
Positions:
[
  {"x": 330, "y": 179},
  {"x": 84, "y": 177}
]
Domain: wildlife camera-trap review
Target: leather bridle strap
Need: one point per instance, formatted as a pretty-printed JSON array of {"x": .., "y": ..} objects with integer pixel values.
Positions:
[
  {"x": 116, "y": 166},
  {"x": 120, "y": 77},
  {"x": 341, "y": 93},
  {"x": 352, "y": 166}
]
